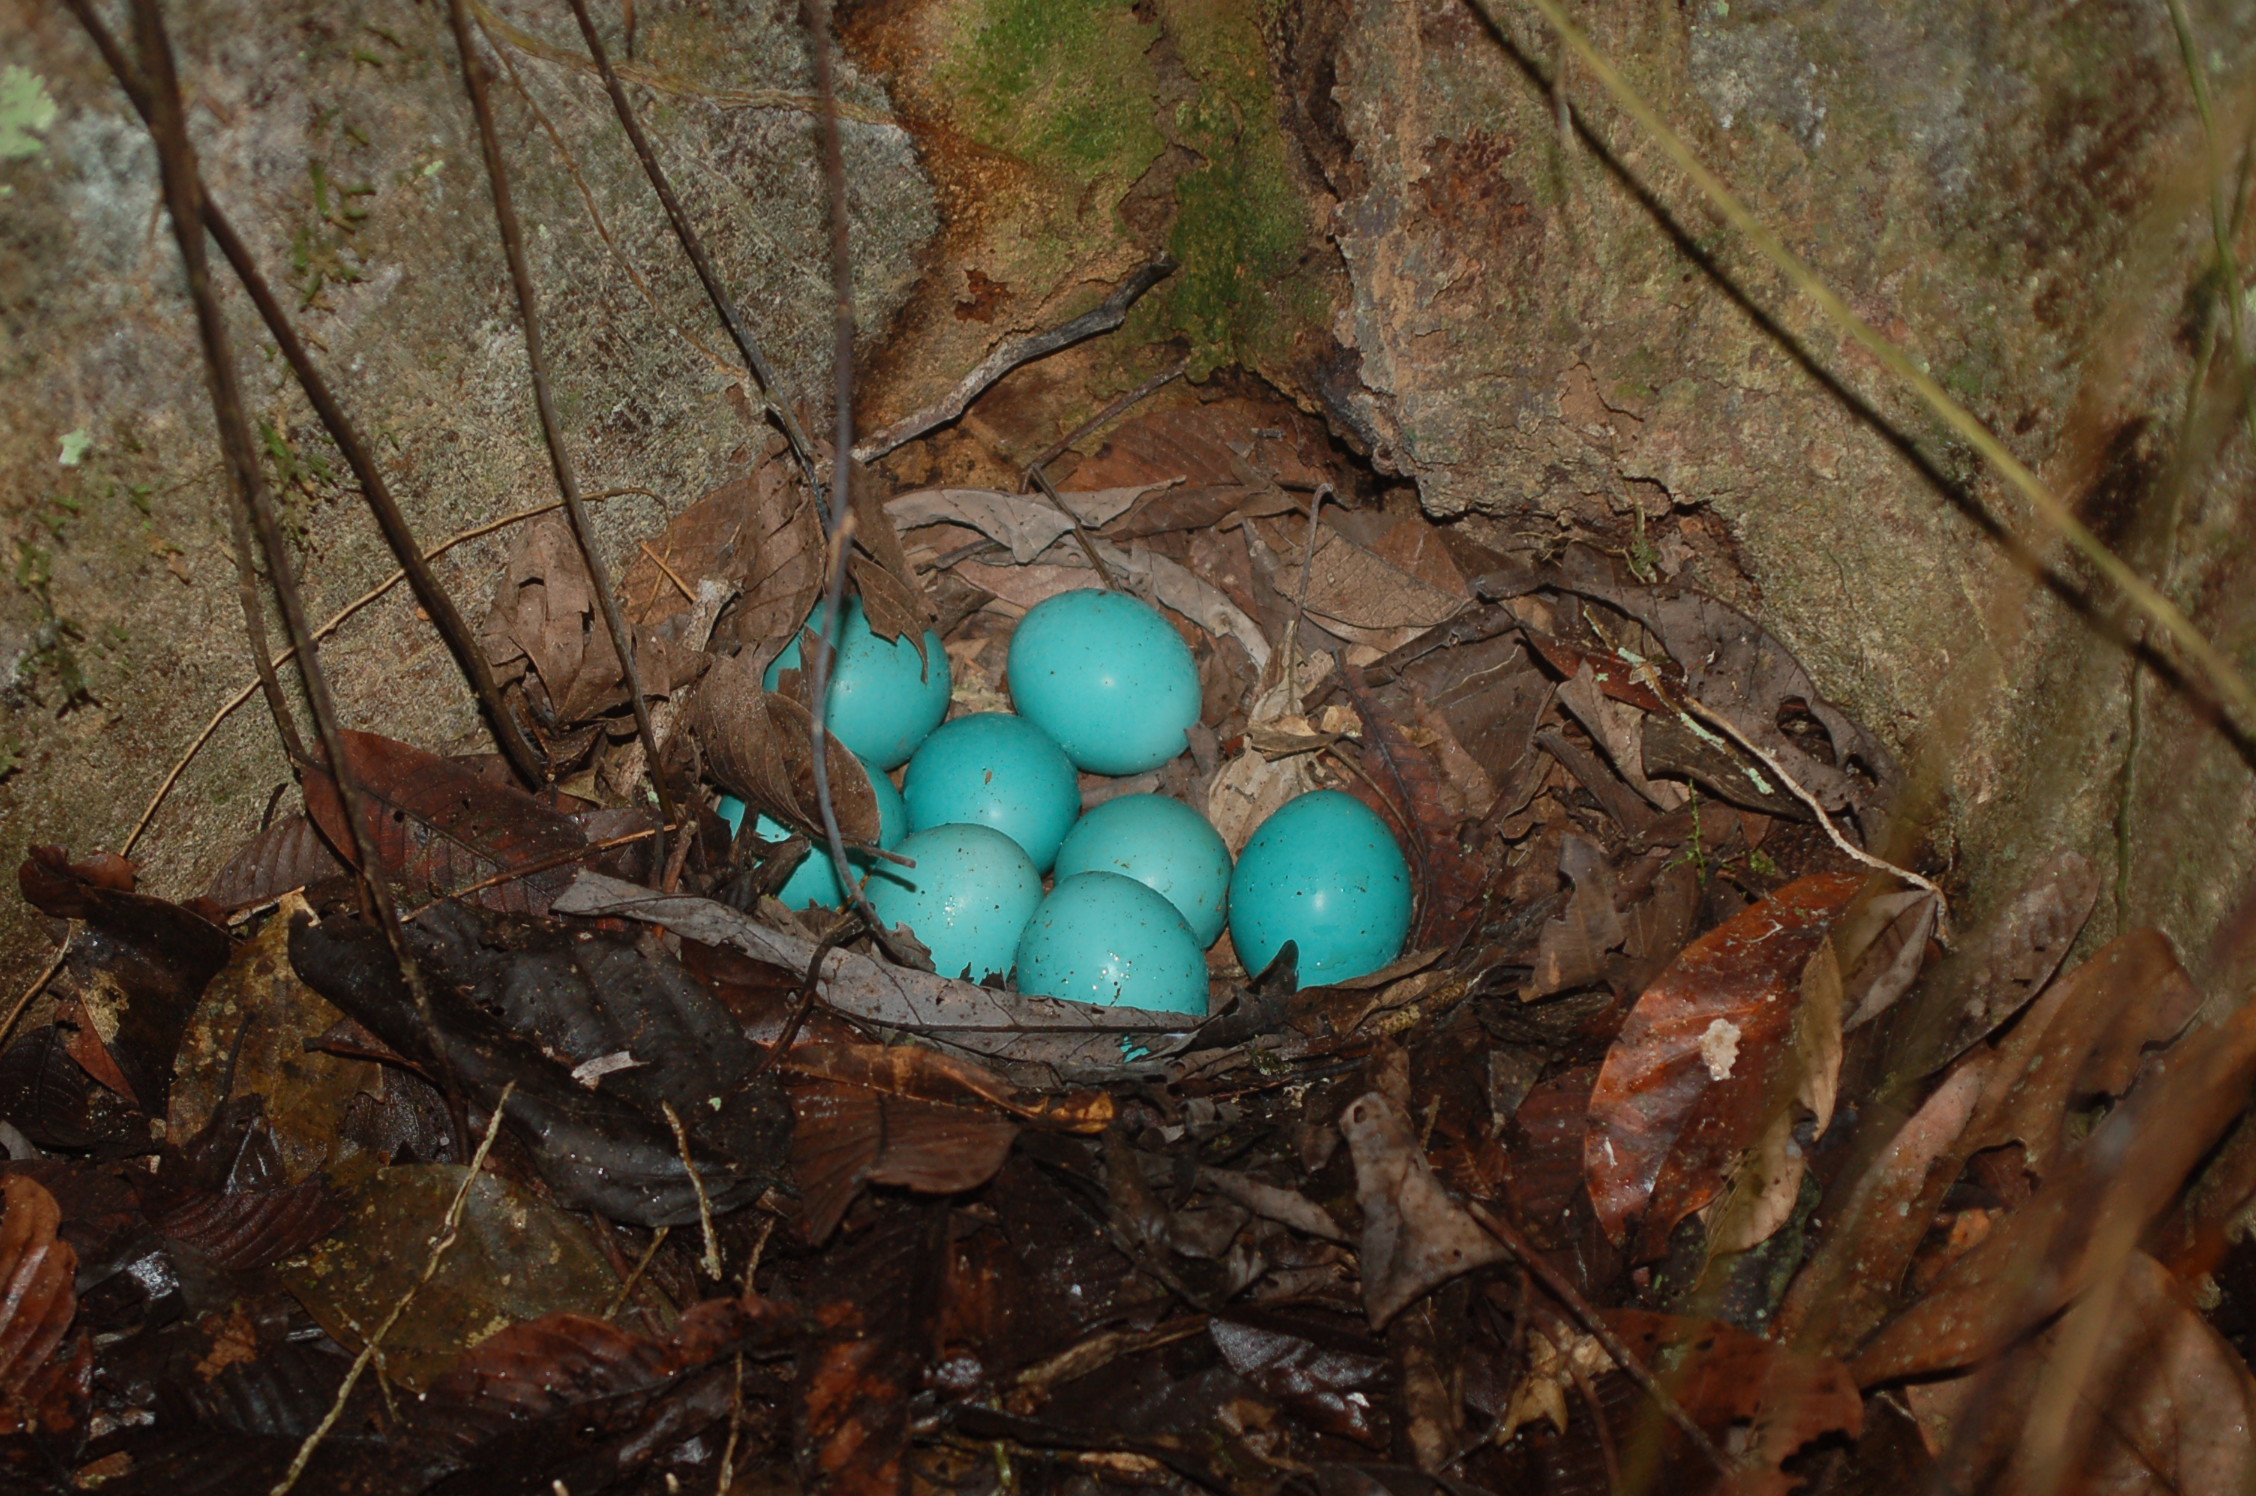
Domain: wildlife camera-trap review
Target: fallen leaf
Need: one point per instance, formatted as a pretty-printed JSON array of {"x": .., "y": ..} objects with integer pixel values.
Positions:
[
  {"x": 516, "y": 1258},
  {"x": 546, "y": 633},
  {"x": 1211, "y": 443},
  {"x": 1319, "y": 1371},
  {"x": 1657, "y": 1080},
  {"x": 38, "y": 1296},
  {"x": 918, "y": 1074},
  {"x": 759, "y": 745},
  {"x": 2084, "y": 1218},
  {"x": 846, "y": 1136},
  {"x": 1883, "y": 944},
  {"x": 1027, "y": 525},
  {"x": 1572, "y": 949},
  {"x": 1415, "y": 1238},
  {"x": 249, "y": 1033},
  {"x": 287, "y": 855},
  {"x": 1450, "y": 880},
  {"x": 254, "y": 1228},
  {"x": 436, "y": 827},
  {"x": 1726, "y": 1378},
  {"x": 723, "y": 536},
  {"x": 1354, "y": 592},
  {"x": 2005, "y": 964}
]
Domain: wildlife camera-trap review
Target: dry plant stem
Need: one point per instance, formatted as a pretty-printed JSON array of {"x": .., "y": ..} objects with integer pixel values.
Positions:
[
  {"x": 2229, "y": 687},
  {"x": 1816, "y": 807},
  {"x": 1307, "y": 575},
  {"x": 335, "y": 622},
  {"x": 428, "y": 591},
  {"x": 1566, "y": 1293},
  {"x": 38, "y": 984},
  {"x": 1041, "y": 480},
  {"x": 546, "y": 864},
  {"x": 449, "y": 1228},
  {"x": 692, "y": 246},
  {"x": 736, "y": 1431},
  {"x": 1112, "y": 412},
  {"x": 2220, "y": 218},
  {"x": 711, "y": 1261},
  {"x": 634, "y": 1278},
  {"x": 552, "y": 434},
  {"x": 1012, "y": 351}
]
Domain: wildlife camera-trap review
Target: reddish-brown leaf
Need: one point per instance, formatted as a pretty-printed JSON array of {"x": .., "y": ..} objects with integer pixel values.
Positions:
[
  {"x": 1725, "y": 1377},
  {"x": 846, "y": 1136},
  {"x": 288, "y": 854},
  {"x": 254, "y": 1228},
  {"x": 38, "y": 1277},
  {"x": 1718, "y": 1018},
  {"x": 918, "y": 1074},
  {"x": 437, "y": 827}
]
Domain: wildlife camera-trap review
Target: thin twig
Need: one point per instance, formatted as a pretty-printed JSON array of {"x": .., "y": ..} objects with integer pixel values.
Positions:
[
  {"x": 1041, "y": 480},
  {"x": 1112, "y": 412},
  {"x": 1685, "y": 702},
  {"x": 337, "y": 621},
  {"x": 724, "y": 306},
  {"x": 1307, "y": 573},
  {"x": 176, "y": 160},
  {"x": 736, "y": 1431},
  {"x": 1595, "y": 1324},
  {"x": 671, "y": 575},
  {"x": 437, "y": 604},
  {"x": 38, "y": 984},
  {"x": 543, "y": 865},
  {"x": 1014, "y": 351},
  {"x": 552, "y": 432},
  {"x": 2229, "y": 687},
  {"x": 634, "y": 1278},
  {"x": 711, "y": 1261},
  {"x": 450, "y": 1228}
]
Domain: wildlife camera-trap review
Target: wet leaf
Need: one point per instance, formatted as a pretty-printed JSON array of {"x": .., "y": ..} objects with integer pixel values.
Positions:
[
  {"x": 1336, "y": 1379},
  {"x": 249, "y": 1034},
  {"x": 437, "y": 827},
  {"x": 254, "y": 1228},
  {"x": 1415, "y": 1237},
  {"x": 517, "y": 1258},
  {"x": 1716, "y": 1021}
]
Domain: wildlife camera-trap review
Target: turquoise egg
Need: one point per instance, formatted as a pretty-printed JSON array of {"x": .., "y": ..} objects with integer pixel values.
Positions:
[
  {"x": 814, "y": 883},
  {"x": 968, "y": 897},
  {"x": 884, "y": 699},
  {"x": 1106, "y": 939},
  {"x": 1323, "y": 871},
  {"x": 1164, "y": 845},
  {"x": 1108, "y": 677},
  {"x": 994, "y": 769}
]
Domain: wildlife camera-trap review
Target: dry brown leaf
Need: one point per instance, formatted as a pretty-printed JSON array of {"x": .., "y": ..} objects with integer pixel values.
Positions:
[
  {"x": 1354, "y": 592},
  {"x": 1415, "y": 1238},
  {"x": 892, "y": 598},
  {"x": 1766, "y": 1184},
  {"x": 784, "y": 579},
  {"x": 1027, "y": 525},
  {"x": 846, "y": 1136},
  {"x": 759, "y": 745},
  {"x": 546, "y": 629},
  {"x": 919, "y": 1074},
  {"x": 716, "y": 538},
  {"x": 2007, "y": 963},
  {"x": 1572, "y": 950}
]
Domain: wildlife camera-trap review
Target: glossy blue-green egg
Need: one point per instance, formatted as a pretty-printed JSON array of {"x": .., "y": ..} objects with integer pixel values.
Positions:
[
  {"x": 1323, "y": 871},
  {"x": 1106, "y": 939},
  {"x": 884, "y": 698},
  {"x": 1164, "y": 845},
  {"x": 1108, "y": 677},
  {"x": 968, "y": 897},
  {"x": 814, "y": 882},
  {"x": 994, "y": 769}
]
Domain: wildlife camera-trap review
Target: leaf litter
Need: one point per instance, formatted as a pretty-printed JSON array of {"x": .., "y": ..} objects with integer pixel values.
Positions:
[{"x": 1677, "y": 1153}]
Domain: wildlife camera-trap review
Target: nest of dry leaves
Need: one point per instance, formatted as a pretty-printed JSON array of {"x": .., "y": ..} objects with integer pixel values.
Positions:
[{"x": 1679, "y": 1154}]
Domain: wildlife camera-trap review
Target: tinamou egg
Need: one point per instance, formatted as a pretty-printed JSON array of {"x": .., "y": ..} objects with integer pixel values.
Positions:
[
  {"x": 1108, "y": 677},
  {"x": 1325, "y": 873},
  {"x": 814, "y": 882},
  {"x": 968, "y": 897},
  {"x": 884, "y": 698},
  {"x": 1161, "y": 843},
  {"x": 994, "y": 769},
  {"x": 1106, "y": 939}
]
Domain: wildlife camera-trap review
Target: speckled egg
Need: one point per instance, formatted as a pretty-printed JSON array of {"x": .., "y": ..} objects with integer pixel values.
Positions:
[
  {"x": 884, "y": 698},
  {"x": 1323, "y": 871},
  {"x": 1108, "y": 677},
  {"x": 814, "y": 883},
  {"x": 968, "y": 897},
  {"x": 1106, "y": 939},
  {"x": 1164, "y": 845},
  {"x": 994, "y": 769}
]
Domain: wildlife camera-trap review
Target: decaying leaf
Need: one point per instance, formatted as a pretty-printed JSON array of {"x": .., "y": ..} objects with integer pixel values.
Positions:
[
  {"x": 436, "y": 827},
  {"x": 759, "y": 745},
  {"x": 1026, "y": 526},
  {"x": 516, "y": 1258},
  {"x": 1415, "y": 1238},
  {"x": 846, "y": 1136},
  {"x": 1703, "y": 1042},
  {"x": 254, "y": 1228},
  {"x": 2006, "y": 963},
  {"x": 287, "y": 855},
  {"x": 37, "y": 1293},
  {"x": 1572, "y": 949},
  {"x": 1450, "y": 880},
  {"x": 1765, "y": 1185}
]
